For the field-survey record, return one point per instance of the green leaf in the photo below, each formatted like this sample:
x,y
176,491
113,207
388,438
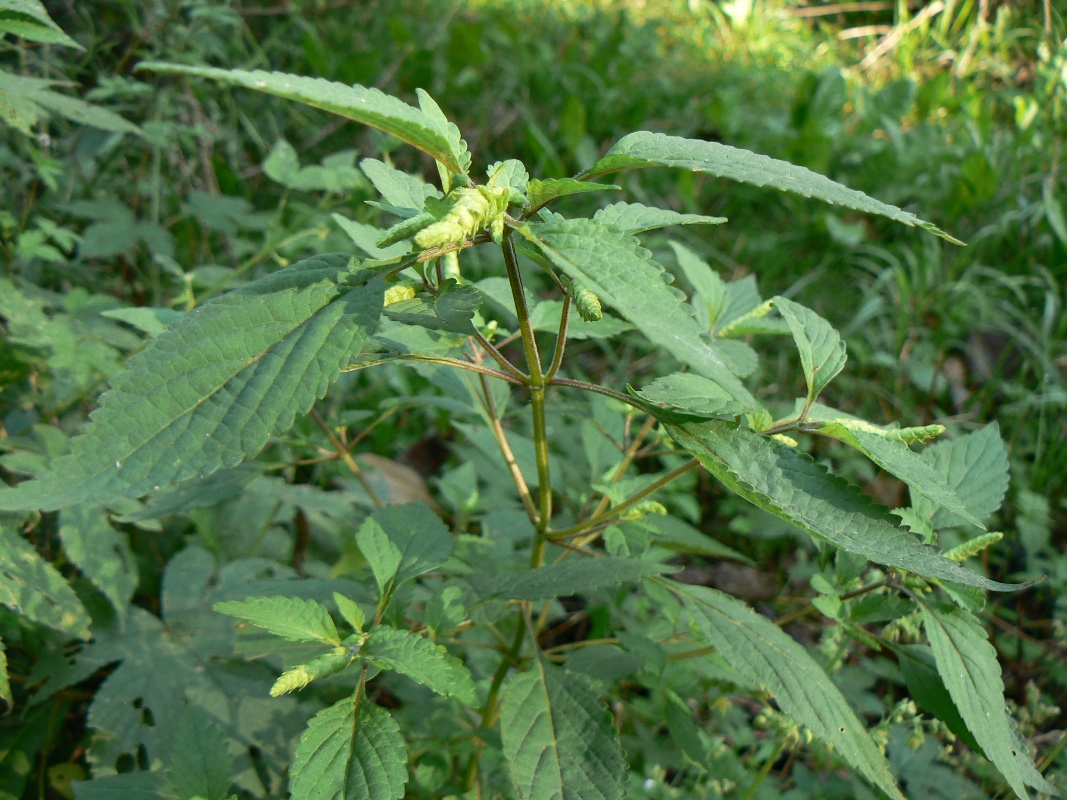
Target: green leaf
x,y
214,388
791,486
337,173
710,296
896,459
368,106
200,762
644,149
350,610
101,553
756,647
450,310
975,466
541,193
32,587
625,277
29,20
511,173
573,576
352,750
369,239
559,739
697,395
928,690
422,661
398,188
26,101
822,353
403,541
968,665
293,618
632,218
128,786
5,680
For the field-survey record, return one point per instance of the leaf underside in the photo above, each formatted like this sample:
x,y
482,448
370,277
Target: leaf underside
x,y
975,467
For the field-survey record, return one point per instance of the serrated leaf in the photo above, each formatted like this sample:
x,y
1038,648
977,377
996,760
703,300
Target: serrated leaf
x,y
351,611
626,278
975,466
422,661
968,665
558,737
541,193
398,188
101,553
455,140
25,101
928,690
128,786
214,388
337,173
896,459
710,294
32,587
822,353
790,485
369,239
633,218
367,106
511,173
29,20
403,541
200,763
352,750
697,395
756,647
573,576
450,310
293,618
645,149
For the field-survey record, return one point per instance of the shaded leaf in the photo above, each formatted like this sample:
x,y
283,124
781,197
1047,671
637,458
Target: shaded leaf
x,y
573,576
293,618
25,101
697,395
5,679
403,541
101,553
369,239
32,587
632,218
421,660
928,690
822,353
200,763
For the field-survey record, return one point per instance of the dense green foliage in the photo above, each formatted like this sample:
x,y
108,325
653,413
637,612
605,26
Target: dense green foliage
x,y
431,455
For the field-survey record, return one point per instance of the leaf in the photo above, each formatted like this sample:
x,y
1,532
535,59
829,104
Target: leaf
x,y
5,680
644,149
968,665
973,547
336,174
756,647
697,395
128,786
631,218
822,353
975,466
710,289
928,690
293,618
214,388
896,459
32,587
352,750
573,576
541,193
25,101
367,106
200,762
369,239
421,660
450,310
625,276
29,20
558,737
101,553
402,542
792,486
511,173
398,188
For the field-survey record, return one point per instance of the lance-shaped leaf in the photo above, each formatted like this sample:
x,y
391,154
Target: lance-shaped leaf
x,y
214,388
200,763
573,576
29,19
32,587
403,541
429,133
756,647
421,660
792,486
968,665
928,690
626,278
352,750
559,739
976,467
293,618
896,459
541,193
644,149
101,553
822,353
634,218
697,395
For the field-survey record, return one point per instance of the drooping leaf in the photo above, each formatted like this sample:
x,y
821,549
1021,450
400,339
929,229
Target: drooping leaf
x,y
450,310
626,278
975,466
352,750
421,660
645,149
200,763
212,390
101,553
367,106
558,736
398,188
403,541
573,576
29,20
822,353
293,618
968,665
541,193
756,647
633,218
896,459
697,395
791,486
32,587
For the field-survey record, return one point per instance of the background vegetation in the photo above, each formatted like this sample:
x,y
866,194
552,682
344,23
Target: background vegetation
x,y
954,110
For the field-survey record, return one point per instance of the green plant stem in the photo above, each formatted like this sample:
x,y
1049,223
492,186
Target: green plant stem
x,y
443,360
801,612
592,387
561,339
350,462
624,465
765,770
506,451
497,356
